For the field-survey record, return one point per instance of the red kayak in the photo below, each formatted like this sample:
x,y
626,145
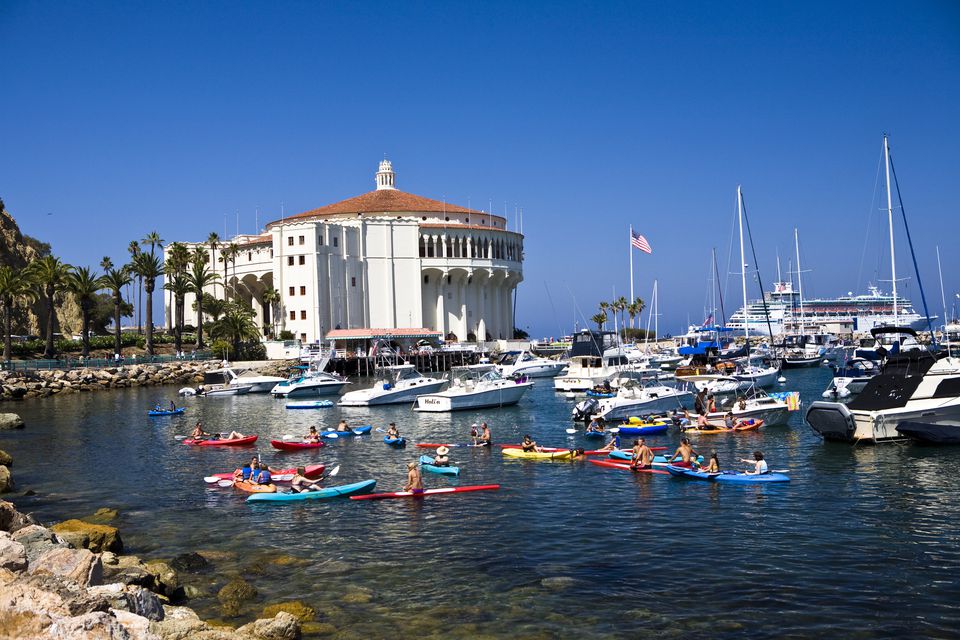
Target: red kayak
x,y
429,445
313,471
625,467
236,442
428,492
589,452
295,446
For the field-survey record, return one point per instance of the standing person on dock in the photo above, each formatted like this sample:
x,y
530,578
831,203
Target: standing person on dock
x,y
642,455
414,479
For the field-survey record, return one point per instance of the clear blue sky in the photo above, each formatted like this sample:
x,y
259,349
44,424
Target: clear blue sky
x,y
122,118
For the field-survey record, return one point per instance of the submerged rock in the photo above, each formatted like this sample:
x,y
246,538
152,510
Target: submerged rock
x,y
189,563
84,535
299,610
6,480
167,580
234,594
6,459
102,516
281,627
557,583
10,421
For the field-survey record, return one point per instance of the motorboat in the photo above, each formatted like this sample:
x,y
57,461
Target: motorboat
x,y
312,381
716,384
759,374
755,404
257,383
851,378
524,363
468,390
633,400
216,390
395,384
586,372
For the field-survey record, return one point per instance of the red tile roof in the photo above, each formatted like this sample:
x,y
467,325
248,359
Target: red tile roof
x,y
385,201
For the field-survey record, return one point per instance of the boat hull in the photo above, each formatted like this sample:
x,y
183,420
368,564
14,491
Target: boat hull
x,y
500,396
373,397
836,422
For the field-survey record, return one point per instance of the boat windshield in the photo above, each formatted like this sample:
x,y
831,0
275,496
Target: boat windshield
x,y
491,376
406,373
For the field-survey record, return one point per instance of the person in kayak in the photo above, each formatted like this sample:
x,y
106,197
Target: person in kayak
x,y
173,406
198,433
300,483
642,455
728,421
702,422
243,473
529,444
262,475
312,436
414,479
343,426
759,464
392,431
235,435
714,465
687,454
613,445
441,459
578,454
596,426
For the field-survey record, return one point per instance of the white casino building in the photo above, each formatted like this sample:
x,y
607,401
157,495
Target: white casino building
x,y
384,259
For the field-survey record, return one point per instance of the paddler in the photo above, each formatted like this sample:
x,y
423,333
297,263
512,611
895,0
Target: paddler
x,y
596,426
312,435
300,483
198,433
414,479
686,453
343,426
262,475
613,445
441,459
243,473
485,437
529,445
714,464
392,431
759,464
173,406
642,455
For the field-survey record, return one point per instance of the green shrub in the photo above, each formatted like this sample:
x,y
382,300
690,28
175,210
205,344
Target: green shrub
x,y
222,348
286,334
253,351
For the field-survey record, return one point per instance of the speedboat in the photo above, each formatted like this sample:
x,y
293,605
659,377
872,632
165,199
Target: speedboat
x,y
758,373
586,372
717,384
216,390
913,386
633,400
756,404
469,391
524,363
257,384
851,378
313,381
397,384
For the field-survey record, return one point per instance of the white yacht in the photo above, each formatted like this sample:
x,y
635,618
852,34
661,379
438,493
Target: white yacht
x,y
586,372
311,382
396,384
524,363
633,400
717,384
246,378
471,391
756,404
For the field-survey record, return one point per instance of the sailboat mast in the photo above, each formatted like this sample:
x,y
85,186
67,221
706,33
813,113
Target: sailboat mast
x,y
893,256
630,249
943,300
796,242
743,272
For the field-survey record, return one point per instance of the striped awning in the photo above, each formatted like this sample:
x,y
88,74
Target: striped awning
x,y
383,334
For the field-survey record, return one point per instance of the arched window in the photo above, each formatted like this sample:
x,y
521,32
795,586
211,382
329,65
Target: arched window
x,y
423,248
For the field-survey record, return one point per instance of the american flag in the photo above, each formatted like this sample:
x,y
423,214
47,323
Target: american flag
x,y
708,321
639,242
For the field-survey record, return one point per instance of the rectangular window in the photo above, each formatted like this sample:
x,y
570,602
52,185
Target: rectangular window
x,y
320,240
249,256
290,260
303,337
335,241
302,241
293,315
353,282
290,241
303,291
303,260
292,290
303,315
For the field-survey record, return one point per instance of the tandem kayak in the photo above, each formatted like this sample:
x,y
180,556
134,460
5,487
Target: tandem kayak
x,y
537,455
626,454
324,494
426,463
428,492
744,425
643,429
166,412
236,442
253,487
609,464
434,445
395,442
295,446
356,431
283,475
310,404
727,476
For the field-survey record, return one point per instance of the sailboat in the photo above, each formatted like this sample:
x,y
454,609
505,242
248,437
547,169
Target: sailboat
x,y
800,350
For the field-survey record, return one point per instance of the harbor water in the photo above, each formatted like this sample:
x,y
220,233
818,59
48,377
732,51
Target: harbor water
x,y
864,542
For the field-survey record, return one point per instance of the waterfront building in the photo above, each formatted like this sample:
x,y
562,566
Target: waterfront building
x,y
382,259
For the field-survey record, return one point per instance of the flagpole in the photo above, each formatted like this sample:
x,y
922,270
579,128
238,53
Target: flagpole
x,y
630,249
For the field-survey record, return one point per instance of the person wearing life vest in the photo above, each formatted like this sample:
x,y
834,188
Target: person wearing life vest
x,y
263,476
243,473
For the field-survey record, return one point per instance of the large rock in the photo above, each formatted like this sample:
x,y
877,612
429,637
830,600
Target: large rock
x,y
10,421
79,565
133,599
91,626
38,540
12,554
137,626
234,594
51,595
6,480
281,627
189,563
85,535
299,610
166,579
6,459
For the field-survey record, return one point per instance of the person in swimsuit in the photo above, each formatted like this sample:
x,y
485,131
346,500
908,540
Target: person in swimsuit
x,y
414,479
578,454
198,433
596,426
529,444
642,455
441,459
300,483
485,437
312,436
728,421
343,426
687,454
759,464
613,445
702,422
392,431
714,465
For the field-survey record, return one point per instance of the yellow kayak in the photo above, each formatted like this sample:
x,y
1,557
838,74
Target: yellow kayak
x,y
536,455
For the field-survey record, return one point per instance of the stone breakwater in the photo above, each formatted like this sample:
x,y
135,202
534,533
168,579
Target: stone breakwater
x,y
18,385
69,582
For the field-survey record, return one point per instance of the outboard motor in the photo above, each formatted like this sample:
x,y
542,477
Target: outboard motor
x,y
585,408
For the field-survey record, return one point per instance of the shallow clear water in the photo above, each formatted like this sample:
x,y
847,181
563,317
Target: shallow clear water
x,y
862,543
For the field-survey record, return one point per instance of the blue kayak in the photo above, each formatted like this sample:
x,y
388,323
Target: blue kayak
x,y
728,476
647,430
356,431
658,460
395,442
594,434
166,412
426,463
310,404
366,486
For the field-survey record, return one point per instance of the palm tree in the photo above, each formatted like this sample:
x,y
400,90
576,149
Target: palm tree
x,y
200,277
600,319
236,326
620,304
179,286
213,241
84,283
228,253
14,288
149,267
116,280
154,240
214,307
604,306
271,298
134,249
636,308
178,259
106,263
234,254
52,276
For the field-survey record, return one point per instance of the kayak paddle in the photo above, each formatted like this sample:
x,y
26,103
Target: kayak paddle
x,y
571,431
225,483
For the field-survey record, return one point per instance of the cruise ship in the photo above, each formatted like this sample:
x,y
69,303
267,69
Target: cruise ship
x,y
844,314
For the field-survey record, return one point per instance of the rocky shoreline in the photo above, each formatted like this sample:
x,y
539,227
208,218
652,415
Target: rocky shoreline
x,y
19,385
